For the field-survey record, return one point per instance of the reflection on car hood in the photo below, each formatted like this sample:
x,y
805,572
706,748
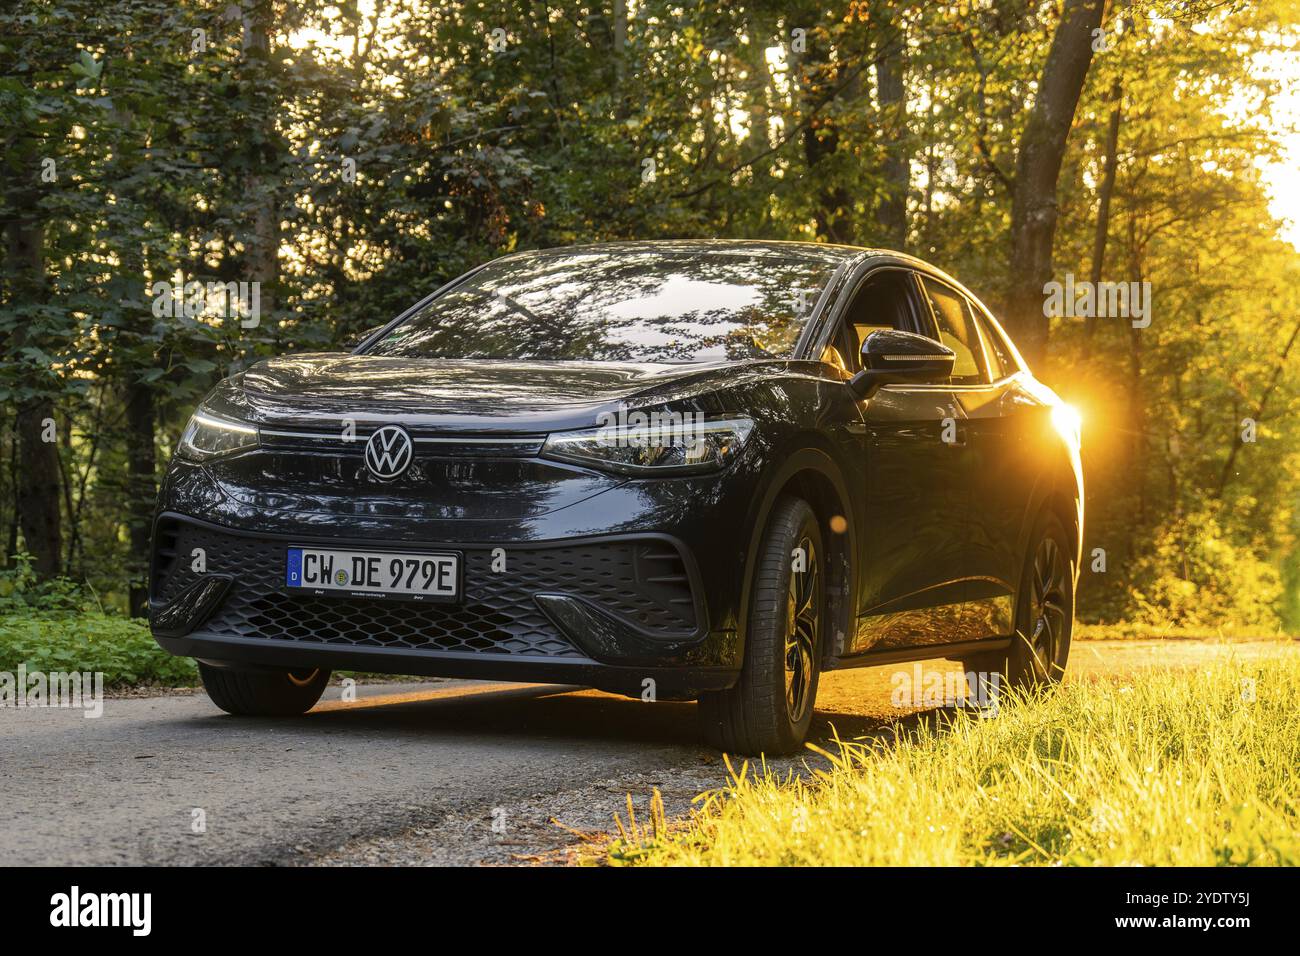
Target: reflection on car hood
x,y
468,395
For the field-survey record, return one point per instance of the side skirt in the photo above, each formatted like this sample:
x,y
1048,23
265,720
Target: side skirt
x,y
919,652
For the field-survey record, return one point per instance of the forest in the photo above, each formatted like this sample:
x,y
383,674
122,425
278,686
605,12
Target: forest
x,y
344,159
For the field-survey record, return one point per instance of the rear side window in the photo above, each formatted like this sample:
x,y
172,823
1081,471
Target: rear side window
x,y
996,347
957,330
1000,364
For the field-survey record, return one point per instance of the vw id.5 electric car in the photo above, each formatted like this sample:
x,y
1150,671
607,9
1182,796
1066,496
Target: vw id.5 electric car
x,y
675,470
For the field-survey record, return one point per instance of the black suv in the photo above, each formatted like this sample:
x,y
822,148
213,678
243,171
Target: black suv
x,y
673,470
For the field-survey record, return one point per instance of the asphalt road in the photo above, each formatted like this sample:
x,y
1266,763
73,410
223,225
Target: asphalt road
x,y
436,772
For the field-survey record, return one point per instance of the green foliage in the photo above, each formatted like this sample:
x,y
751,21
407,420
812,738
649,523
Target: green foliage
x,y
22,594
120,648
58,625
1194,576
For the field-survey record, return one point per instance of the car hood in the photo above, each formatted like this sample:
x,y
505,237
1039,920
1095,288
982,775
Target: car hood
x,y
472,395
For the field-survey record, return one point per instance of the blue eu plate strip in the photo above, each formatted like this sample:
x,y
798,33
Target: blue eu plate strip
x,y
293,573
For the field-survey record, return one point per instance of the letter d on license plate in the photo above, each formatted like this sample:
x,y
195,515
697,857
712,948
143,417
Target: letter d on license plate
x,y
423,576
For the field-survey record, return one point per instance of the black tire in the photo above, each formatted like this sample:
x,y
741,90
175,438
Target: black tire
x,y
258,693
770,708
1040,646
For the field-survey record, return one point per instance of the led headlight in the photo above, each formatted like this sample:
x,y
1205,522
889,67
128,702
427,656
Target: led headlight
x,y
208,435
654,444
1068,423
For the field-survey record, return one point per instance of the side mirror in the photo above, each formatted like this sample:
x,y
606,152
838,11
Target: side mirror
x,y
893,357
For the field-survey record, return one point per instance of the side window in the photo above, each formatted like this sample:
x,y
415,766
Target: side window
x,y
883,301
957,330
999,366
842,351
996,346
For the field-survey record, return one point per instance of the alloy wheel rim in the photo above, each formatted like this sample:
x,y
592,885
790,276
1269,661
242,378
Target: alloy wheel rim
x,y
803,620
1047,609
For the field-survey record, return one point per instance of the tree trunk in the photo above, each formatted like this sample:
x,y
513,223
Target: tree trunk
x,y
1136,411
1103,199
37,491
264,245
141,467
833,212
139,483
891,212
38,487
1257,413
1107,189
1038,165
925,235
620,42
11,532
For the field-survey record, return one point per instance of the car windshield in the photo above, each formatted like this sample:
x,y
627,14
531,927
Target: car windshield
x,y
616,305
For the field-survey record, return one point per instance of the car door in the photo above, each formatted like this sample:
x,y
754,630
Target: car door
x,y
980,385
913,545
1000,427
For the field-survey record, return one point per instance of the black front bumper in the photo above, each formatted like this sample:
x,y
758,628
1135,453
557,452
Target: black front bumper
x,y
609,611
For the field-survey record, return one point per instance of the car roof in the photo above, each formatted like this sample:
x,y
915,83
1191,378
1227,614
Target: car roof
x,y
826,252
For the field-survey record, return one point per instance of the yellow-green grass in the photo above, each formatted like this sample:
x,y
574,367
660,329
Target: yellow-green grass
x,y
1128,631
1189,767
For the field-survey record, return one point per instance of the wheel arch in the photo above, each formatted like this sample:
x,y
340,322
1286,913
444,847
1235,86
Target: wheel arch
x,y
1055,491
812,474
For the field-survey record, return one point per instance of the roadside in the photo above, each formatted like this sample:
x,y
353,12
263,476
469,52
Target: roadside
x,y
1146,756
451,772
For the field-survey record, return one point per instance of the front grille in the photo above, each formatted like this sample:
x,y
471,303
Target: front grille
x,y
643,581
429,444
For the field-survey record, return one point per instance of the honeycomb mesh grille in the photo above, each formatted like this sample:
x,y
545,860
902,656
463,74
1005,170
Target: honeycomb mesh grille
x,y
643,581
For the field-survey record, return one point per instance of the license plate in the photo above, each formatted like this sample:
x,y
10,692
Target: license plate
x,y
426,576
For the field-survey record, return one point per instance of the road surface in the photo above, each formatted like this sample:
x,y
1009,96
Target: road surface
x,y
447,772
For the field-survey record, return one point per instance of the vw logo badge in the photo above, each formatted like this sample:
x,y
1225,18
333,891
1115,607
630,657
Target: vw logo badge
x,y
389,452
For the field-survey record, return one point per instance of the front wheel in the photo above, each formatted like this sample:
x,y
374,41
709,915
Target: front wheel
x,y
263,693
770,708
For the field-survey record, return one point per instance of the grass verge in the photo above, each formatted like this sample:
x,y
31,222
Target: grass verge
x,y
121,648
1182,768
1126,631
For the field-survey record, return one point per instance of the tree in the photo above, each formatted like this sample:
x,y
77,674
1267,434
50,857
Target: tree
x,y
1038,164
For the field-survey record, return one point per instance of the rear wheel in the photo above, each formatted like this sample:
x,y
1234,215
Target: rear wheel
x,y
1044,616
770,708
260,693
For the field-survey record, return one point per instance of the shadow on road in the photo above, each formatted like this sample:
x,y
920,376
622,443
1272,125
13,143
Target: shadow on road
x,y
533,713
550,713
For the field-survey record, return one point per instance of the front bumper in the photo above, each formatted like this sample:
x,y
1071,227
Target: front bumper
x,y
609,611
